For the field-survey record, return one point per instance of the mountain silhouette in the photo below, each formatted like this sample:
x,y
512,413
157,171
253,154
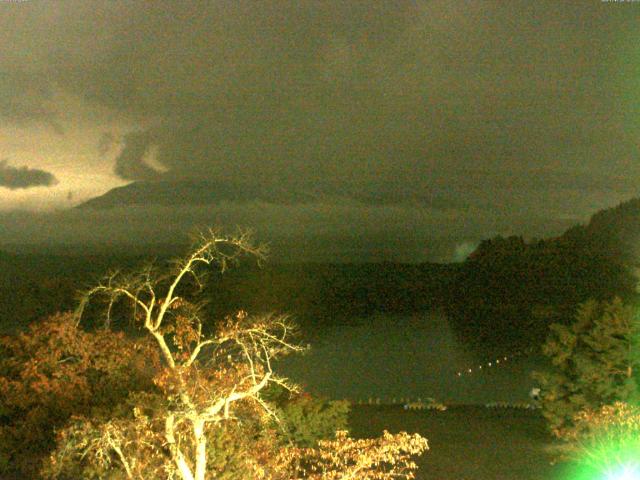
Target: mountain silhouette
x,y
197,192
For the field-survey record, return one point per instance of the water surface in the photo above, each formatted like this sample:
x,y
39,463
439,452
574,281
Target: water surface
x,y
400,356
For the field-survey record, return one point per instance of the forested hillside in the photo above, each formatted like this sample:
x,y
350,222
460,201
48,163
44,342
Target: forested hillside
x,y
509,290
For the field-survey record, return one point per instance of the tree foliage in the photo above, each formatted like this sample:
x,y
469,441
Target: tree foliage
x,y
305,420
386,458
207,413
594,363
509,291
605,438
55,370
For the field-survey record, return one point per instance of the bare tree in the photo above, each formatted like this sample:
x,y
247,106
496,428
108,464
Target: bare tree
x,y
205,377
206,381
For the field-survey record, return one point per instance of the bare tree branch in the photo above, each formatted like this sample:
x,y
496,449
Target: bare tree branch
x,y
176,326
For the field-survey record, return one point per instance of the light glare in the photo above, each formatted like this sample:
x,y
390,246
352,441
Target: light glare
x,y
625,472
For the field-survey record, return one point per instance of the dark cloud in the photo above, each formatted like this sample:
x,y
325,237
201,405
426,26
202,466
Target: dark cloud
x,y
500,108
15,178
380,104
130,163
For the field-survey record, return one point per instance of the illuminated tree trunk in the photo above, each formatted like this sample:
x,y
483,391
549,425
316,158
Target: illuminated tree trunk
x,y
177,327
176,453
201,449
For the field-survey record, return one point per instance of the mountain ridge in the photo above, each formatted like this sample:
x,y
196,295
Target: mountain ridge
x,y
195,192
614,231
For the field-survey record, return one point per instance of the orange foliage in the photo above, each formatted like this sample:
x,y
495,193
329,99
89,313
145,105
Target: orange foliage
x,y
385,458
208,396
54,370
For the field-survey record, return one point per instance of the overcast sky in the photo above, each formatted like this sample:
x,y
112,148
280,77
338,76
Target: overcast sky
x,y
462,119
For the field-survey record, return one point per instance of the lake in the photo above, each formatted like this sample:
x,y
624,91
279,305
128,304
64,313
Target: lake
x,y
407,356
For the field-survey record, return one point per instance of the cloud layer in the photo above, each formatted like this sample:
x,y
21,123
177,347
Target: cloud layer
x,y
510,110
321,231
15,178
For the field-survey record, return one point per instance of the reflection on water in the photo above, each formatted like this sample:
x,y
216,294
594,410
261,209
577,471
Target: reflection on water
x,y
393,356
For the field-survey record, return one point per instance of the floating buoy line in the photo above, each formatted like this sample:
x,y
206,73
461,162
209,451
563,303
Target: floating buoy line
x,y
494,363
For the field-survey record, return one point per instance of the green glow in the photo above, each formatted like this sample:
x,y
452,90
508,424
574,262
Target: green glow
x,y
619,459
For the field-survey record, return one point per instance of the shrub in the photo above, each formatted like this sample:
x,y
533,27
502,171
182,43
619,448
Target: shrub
x,y
305,419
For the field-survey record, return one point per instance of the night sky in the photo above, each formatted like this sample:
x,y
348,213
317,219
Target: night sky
x,y
422,125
